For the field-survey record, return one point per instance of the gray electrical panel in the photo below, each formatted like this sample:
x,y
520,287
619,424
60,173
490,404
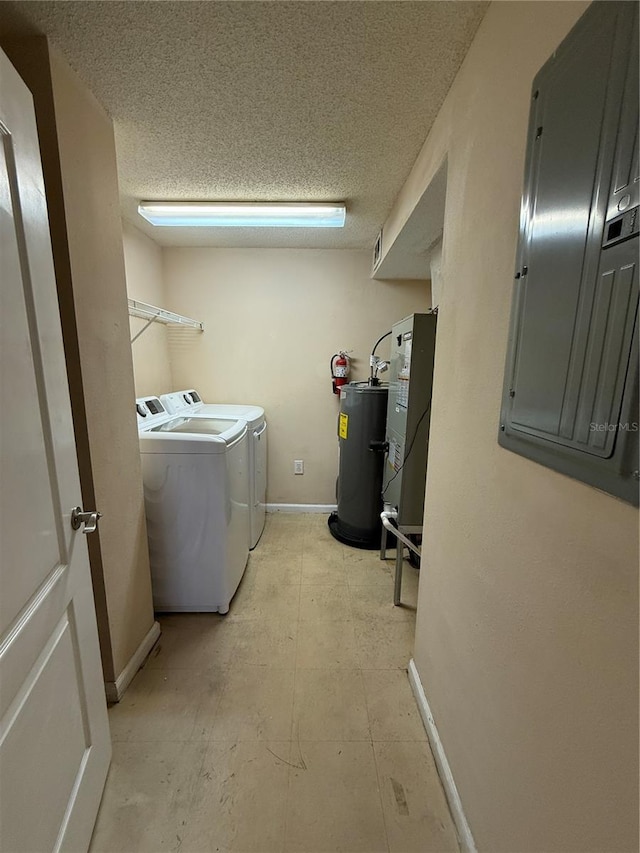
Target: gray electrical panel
x,y
413,343
570,396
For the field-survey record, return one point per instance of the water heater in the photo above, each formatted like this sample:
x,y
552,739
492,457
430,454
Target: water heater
x,y
361,427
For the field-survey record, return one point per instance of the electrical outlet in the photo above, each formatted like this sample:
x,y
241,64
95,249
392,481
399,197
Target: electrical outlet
x,y
298,466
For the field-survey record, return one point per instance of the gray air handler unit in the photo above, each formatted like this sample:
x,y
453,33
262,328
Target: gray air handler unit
x,y
413,342
361,432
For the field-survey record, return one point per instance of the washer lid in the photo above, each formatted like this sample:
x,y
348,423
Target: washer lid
x,y
191,435
189,402
222,430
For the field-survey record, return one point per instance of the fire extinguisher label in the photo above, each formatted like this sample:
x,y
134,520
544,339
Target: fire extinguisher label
x,y
344,425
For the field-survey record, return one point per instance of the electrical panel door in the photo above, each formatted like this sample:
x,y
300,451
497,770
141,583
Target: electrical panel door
x,y
408,415
570,396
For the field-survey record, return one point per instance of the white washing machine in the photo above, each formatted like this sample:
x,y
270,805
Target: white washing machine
x,y
196,489
181,402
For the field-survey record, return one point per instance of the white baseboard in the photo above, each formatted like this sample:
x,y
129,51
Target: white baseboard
x,y
327,508
115,689
444,770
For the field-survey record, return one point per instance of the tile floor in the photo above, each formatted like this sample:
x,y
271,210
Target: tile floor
x,y
287,725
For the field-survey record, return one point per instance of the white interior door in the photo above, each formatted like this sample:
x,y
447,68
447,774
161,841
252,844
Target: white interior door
x,y
54,734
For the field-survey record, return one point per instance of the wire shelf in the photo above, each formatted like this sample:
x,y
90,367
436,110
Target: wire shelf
x,y
153,314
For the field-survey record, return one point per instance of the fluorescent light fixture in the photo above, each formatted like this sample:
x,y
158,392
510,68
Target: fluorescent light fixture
x,y
231,214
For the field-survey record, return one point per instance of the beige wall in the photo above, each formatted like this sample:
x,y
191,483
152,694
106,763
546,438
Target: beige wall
x,y
273,319
143,265
94,234
78,152
527,632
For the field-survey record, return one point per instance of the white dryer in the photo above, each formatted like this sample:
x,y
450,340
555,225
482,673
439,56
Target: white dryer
x,y
196,489
189,401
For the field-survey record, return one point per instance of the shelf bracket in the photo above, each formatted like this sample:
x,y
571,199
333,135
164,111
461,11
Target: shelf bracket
x,y
143,329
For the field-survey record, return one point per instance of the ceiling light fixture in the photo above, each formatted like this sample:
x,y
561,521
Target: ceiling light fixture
x,y
232,214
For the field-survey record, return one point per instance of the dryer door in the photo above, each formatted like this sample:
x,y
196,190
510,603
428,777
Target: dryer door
x,y
259,496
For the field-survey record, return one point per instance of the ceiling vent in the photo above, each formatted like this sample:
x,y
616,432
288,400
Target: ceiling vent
x,y
377,251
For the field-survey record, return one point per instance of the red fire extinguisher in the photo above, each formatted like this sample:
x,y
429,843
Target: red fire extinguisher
x,y
339,370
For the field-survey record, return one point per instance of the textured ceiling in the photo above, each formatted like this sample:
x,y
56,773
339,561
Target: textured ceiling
x,y
273,100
